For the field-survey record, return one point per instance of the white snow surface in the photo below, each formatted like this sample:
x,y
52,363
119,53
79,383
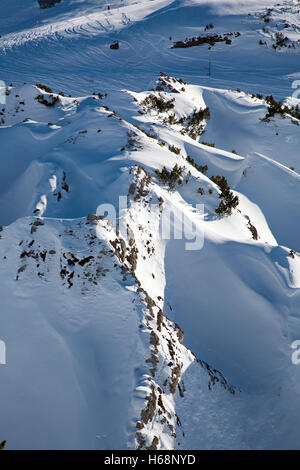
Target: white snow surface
x,y
92,313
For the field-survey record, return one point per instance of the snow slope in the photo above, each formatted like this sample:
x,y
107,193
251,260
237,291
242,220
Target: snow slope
x,y
122,331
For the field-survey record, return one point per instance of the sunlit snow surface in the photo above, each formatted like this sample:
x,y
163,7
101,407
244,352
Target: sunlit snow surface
x,y
77,332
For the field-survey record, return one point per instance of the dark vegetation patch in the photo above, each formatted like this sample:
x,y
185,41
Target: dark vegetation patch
x,y
216,376
100,96
148,412
208,144
157,103
133,142
44,88
252,229
115,45
165,82
277,107
210,39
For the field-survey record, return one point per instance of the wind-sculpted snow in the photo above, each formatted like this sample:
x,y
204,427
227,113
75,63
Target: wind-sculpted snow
x,y
149,248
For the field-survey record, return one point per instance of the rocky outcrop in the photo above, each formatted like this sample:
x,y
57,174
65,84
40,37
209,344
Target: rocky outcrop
x,y
48,3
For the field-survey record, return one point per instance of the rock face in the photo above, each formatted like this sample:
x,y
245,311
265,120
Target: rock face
x,y
48,3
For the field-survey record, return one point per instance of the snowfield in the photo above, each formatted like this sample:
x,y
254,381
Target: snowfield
x,y
134,315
